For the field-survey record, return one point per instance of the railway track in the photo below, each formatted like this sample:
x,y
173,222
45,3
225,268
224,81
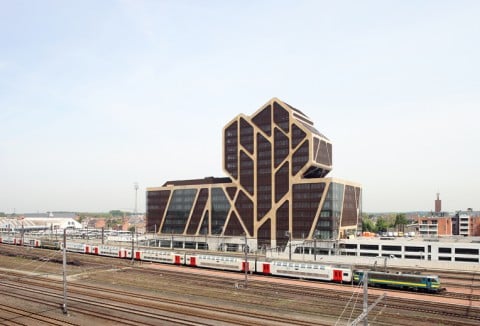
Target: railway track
x,y
144,305
13,315
314,302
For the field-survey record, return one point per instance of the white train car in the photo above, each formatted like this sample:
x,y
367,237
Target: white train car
x,y
219,262
32,243
10,240
305,270
78,247
111,251
166,257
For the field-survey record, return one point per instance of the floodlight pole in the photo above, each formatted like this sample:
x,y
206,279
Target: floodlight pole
x,y
64,306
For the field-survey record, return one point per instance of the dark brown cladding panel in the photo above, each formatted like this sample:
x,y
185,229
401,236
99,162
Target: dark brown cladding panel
x,y
358,194
329,148
205,223
281,117
323,155
263,120
156,207
349,216
305,202
282,224
264,236
281,146
230,150
231,191
298,135
246,172
282,185
198,211
246,135
264,176
233,228
300,158
244,207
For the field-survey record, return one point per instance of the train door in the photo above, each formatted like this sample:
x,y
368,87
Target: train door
x,y
179,262
337,275
95,250
193,261
137,255
87,249
429,283
245,266
266,269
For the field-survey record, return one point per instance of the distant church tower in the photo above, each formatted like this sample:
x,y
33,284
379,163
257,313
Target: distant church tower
x,y
438,204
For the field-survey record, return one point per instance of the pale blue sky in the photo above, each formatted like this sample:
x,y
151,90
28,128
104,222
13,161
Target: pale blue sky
x,y
91,92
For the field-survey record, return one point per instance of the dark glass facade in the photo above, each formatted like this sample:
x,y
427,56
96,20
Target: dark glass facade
x,y
277,163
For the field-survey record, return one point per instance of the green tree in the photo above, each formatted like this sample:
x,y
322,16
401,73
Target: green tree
x,y
382,224
400,221
368,225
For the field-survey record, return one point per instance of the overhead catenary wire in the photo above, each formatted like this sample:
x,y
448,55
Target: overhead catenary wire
x,y
356,288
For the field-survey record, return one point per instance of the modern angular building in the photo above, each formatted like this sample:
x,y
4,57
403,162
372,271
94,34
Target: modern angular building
x,y
276,162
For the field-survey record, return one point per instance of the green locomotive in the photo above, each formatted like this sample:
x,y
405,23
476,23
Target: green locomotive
x,y
416,282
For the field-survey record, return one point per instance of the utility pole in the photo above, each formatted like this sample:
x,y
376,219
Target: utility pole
x,y
133,247
246,261
366,309
64,306
287,233
23,235
365,298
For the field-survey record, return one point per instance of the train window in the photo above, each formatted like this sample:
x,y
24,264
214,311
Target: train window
x,y
315,267
466,251
302,266
284,264
345,274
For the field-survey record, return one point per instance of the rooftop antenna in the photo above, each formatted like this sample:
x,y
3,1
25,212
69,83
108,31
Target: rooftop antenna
x,y
135,186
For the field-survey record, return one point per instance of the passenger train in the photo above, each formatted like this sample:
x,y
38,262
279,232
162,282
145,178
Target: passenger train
x,y
293,269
